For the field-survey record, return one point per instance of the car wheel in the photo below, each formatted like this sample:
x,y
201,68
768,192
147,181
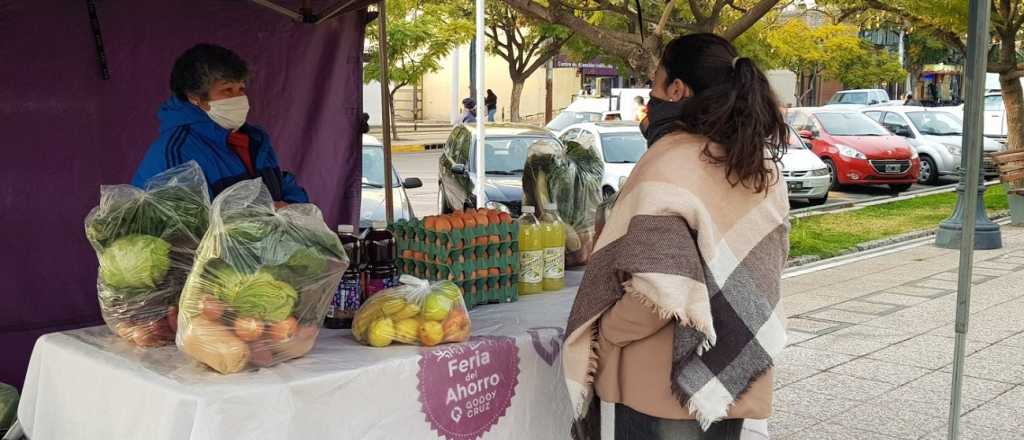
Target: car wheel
x,y
929,172
607,192
833,172
442,204
901,187
818,202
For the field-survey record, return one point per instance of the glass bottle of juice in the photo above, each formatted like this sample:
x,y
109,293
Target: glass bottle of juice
x,y
552,233
531,254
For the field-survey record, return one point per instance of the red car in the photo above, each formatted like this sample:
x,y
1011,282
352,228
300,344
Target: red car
x,y
857,150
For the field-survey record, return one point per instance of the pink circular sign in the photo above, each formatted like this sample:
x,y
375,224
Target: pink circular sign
x,y
465,388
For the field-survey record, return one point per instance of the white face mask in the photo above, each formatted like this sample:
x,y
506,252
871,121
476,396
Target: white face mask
x,y
229,113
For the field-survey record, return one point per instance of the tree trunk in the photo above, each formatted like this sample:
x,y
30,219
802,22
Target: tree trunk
x,y
517,94
1013,102
391,112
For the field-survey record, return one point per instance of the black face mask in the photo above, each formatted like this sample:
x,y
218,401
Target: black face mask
x,y
662,116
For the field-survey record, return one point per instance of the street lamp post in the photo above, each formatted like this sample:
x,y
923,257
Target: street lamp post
x,y
987,233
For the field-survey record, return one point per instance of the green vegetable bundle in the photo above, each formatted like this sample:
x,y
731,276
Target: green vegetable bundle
x,y
571,177
145,240
262,281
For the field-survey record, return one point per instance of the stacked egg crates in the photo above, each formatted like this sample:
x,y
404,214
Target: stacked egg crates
x,y
478,250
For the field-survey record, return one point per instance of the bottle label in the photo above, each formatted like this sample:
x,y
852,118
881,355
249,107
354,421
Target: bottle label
x,y
554,263
375,284
531,266
351,297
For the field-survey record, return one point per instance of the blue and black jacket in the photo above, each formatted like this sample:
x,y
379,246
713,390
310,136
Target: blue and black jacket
x,y
187,133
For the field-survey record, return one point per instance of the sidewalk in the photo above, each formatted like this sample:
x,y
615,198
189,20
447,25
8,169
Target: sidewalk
x,y
871,348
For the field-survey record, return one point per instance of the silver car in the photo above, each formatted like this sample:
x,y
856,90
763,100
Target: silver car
x,y
371,207
937,135
806,176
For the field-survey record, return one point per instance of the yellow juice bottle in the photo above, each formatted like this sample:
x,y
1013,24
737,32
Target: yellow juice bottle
x,y
531,254
552,233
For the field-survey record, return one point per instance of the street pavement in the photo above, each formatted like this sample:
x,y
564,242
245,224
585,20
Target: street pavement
x,y
871,341
871,348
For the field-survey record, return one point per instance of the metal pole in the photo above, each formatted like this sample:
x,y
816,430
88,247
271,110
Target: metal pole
x,y
903,63
385,117
455,87
481,197
977,47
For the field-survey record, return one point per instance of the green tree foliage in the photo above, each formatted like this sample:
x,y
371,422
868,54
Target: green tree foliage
x,y
636,36
524,43
420,34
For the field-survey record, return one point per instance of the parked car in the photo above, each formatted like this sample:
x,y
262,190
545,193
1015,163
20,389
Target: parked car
x,y
504,156
372,200
859,98
937,135
619,144
585,110
807,177
857,150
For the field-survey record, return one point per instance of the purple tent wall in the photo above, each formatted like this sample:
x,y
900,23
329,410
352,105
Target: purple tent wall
x,y
64,130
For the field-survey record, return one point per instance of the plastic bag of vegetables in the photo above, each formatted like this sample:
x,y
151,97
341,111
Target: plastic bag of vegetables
x,y
261,283
416,313
571,177
145,240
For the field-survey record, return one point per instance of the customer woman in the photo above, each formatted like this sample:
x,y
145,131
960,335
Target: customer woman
x,y
677,323
491,101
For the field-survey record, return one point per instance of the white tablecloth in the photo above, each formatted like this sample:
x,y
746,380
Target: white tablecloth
x,y
505,383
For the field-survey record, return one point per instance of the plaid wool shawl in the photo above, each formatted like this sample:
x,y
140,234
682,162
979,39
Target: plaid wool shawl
x,y
697,249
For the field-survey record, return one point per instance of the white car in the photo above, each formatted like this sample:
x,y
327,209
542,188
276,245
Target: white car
x,y
584,110
937,135
619,144
857,99
806,176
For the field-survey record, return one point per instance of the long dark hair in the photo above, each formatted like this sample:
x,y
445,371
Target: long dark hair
x,y
732,105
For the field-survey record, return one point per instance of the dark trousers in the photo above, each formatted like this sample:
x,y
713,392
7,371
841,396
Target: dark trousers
x,y
633,425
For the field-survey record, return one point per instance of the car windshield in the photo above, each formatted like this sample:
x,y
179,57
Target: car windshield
x,y
849,98
936,123
850,124
373,168
506,156
623,147
795,142
994,102
567,118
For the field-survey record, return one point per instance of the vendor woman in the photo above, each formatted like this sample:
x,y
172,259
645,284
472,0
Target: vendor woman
x,y
204,121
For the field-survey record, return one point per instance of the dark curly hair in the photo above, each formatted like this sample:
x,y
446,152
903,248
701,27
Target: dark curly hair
x,y
732,105
196,70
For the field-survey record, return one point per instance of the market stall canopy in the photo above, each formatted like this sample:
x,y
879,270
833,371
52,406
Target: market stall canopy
x,y
73,120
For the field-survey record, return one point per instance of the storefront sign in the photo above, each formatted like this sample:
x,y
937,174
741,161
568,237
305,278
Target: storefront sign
x,y
466,388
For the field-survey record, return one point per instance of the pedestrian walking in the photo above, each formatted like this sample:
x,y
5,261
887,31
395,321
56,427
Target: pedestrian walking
x,y
491,102
675,328
469,111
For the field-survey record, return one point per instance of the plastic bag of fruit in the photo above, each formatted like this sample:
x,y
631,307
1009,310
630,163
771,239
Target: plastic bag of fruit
x,y
416,313
145,240
261,284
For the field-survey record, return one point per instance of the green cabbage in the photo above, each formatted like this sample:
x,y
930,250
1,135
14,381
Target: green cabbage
x,y
261,296
135,261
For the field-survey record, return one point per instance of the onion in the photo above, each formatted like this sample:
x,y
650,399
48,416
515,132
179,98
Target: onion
x,y
283,330
248,329
212,308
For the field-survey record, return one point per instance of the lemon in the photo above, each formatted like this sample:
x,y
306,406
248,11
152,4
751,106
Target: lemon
x,y
381,332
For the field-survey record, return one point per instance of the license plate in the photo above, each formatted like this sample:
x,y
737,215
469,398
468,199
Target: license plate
x,y
892,168
795,185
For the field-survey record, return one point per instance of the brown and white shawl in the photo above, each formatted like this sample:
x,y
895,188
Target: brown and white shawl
x,y
699,250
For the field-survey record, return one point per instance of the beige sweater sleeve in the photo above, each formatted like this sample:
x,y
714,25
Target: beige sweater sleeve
x,y
630,320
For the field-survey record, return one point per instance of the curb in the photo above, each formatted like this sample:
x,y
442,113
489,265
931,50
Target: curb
x,y
833,208
805,260
415,148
